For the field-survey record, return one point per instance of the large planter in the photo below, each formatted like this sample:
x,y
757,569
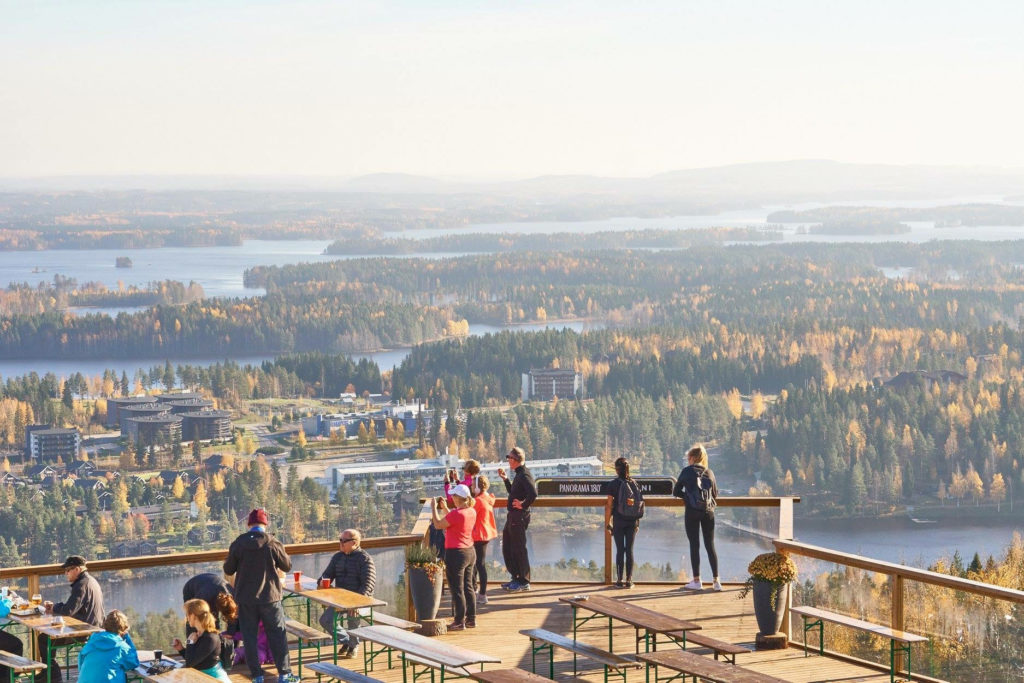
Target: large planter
x,y
426,591
770,600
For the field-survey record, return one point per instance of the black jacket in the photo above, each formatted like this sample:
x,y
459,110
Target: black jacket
x,y
203,653
254,558
688,480
85,602
354,572
206,587
521,487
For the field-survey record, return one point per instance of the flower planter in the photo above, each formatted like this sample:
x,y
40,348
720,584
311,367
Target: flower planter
x,y
770,600
426,591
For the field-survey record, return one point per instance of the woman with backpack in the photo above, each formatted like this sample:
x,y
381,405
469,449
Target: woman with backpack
x,y
696,485
626,506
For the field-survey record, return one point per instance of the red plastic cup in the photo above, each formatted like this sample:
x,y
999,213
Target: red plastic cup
x,y
325,583
298,576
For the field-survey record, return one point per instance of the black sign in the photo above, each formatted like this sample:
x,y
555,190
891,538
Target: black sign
x,y
598,486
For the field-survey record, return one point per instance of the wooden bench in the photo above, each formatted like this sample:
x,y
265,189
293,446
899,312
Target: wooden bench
x,y
370,654
690,664
306,634
508,676
339,673
549,641
420,650
815,618
389,620
20,666
720,647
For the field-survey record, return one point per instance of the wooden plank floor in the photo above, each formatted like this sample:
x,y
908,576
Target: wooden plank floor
x,y
722,616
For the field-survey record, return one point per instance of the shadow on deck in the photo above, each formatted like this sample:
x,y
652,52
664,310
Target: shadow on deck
x,y
722,616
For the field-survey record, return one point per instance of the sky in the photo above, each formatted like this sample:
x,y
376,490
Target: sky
x,y
501,90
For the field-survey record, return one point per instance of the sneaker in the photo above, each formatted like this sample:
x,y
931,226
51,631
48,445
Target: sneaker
x,y
717,585
629,583
257,679
288,678
521,587
470,623
457,626
508,586
694,585
481,599
351,652
619,584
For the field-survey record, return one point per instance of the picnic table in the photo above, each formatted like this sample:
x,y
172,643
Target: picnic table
x,y
687,664
69,636
343,601
417,649
640,618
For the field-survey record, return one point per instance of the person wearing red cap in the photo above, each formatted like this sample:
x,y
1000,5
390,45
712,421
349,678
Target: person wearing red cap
x,y
254,559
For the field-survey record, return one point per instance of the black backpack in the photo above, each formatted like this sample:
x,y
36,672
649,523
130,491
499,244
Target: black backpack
x,y
630,490
703,497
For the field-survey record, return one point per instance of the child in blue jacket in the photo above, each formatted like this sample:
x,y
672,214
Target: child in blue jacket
x,y
107,655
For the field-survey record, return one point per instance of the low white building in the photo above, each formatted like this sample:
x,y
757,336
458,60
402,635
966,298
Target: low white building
x,y
431,472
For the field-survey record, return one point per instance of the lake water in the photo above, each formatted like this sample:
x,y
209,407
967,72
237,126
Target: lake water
x,y
386,360
896,540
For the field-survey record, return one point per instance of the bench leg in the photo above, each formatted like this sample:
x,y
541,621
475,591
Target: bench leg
x,y
905,649
819,624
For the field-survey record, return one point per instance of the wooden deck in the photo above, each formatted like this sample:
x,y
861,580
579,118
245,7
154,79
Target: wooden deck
x,y
721,615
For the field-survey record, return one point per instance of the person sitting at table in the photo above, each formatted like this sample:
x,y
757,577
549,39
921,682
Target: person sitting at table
x,y
201,650
459,555
353,570
85,604
9,643
108,655
219,595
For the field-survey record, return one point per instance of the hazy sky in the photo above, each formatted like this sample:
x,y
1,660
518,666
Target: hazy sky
x,y
489,89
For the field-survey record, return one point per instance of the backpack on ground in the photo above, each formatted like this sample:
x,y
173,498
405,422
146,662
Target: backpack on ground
x,y
703,496
629,491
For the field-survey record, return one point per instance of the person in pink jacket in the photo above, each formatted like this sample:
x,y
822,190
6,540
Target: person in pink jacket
x,y
484,531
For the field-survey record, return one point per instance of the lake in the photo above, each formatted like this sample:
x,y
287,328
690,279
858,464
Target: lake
x,y
386,359
895,540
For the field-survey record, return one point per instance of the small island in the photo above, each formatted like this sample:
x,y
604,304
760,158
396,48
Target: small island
x,y
123,262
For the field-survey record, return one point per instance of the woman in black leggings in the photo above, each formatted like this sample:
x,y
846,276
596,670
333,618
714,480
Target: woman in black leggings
x,y
623,528
696,485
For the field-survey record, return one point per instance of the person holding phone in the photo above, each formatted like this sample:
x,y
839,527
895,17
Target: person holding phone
x,y
459,556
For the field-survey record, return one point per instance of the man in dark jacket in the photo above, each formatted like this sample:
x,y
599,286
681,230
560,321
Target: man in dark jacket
x,y
85,604
522,491
254,559
353,570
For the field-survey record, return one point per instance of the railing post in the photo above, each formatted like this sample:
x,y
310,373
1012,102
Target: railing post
x,y
410,608
786,519
607,545
33,585
896,618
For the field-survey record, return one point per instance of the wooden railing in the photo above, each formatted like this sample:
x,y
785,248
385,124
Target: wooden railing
x,y
898,574
419,534
34,572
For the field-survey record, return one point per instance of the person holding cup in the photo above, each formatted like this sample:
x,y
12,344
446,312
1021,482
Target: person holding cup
x,y
85,604
351,568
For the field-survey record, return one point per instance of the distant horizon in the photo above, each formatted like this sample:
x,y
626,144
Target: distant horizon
x,y
483,181
502,90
